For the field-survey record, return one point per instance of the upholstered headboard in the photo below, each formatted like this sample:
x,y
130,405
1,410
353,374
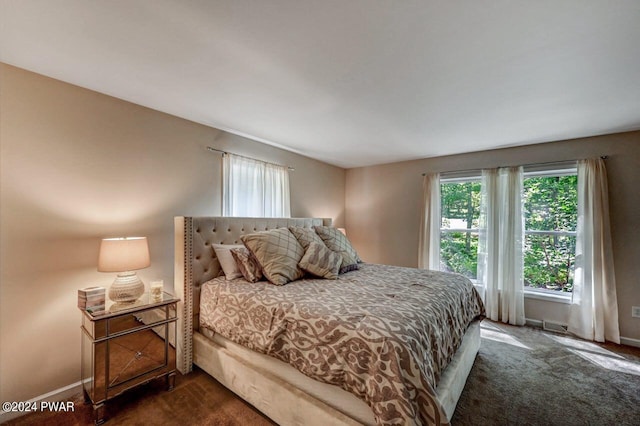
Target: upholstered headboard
x,y
196,263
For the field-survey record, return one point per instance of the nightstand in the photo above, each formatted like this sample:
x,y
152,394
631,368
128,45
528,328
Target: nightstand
x,y
129,345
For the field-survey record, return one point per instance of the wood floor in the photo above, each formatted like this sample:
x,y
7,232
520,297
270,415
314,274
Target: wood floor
x,y
196,399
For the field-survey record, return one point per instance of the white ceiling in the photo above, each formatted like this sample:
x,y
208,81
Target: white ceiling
x,y
355,82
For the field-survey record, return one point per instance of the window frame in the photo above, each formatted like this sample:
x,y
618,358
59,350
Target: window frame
x,y
559,170
540,293
475,176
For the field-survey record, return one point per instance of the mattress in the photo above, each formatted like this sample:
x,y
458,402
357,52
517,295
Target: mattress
x,y
383,333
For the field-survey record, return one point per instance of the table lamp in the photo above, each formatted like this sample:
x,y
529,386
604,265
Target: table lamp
x,y
124,256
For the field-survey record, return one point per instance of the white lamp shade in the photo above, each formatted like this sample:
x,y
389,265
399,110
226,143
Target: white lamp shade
x,y
123,254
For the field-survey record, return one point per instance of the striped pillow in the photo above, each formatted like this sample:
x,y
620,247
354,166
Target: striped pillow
x,y
319,260
247,264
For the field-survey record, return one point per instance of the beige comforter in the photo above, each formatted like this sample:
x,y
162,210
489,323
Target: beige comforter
x,y
383,333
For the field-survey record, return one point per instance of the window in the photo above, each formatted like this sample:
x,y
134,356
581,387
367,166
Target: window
x,y
551,216
253,188
550,209
460,210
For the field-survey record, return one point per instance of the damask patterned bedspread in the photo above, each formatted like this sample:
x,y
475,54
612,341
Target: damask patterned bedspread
x,y
383,333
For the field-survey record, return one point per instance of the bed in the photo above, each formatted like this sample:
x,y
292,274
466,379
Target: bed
x,y
282,392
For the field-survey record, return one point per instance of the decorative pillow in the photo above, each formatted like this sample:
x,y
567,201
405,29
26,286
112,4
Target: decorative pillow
x,y
321,261
247,264
338,242
278,252
227,262
305,236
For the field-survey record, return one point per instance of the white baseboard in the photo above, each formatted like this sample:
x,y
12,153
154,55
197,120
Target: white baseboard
x,y
533,323
623,340
630,342
55,395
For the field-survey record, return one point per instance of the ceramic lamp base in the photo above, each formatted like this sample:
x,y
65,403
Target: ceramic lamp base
x,y
127,288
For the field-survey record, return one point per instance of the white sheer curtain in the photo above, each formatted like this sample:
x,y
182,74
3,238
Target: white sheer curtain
x,y
429,244
253,188
594,309
500,247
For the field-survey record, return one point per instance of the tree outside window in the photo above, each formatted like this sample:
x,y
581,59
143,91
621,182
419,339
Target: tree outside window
x,y
460,209
550,210
551,216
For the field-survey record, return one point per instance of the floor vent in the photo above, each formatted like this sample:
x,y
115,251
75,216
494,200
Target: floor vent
x,y
556,327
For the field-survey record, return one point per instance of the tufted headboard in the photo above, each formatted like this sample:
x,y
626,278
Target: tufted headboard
x,y
196,262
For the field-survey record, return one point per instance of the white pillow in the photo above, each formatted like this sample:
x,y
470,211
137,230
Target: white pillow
x,y
227,262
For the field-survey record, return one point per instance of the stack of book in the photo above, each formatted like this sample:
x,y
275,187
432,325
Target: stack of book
x,y
92,299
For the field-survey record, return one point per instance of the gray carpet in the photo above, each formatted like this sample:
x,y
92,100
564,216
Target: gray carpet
x,y
525,376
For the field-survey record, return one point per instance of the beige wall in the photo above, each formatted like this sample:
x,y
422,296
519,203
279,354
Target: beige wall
x,y
383,209
77,166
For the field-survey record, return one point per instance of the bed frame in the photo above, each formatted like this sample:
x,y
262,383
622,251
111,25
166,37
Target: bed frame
x,y
275,388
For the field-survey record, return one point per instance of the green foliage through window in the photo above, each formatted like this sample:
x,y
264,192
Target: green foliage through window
x,y
551,205
460,206
550,208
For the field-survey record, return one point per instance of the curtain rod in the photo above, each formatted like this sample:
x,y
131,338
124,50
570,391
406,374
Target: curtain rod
x,y
604,157
209,148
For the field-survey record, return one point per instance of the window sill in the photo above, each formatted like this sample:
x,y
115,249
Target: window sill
x,y
558,297
542,294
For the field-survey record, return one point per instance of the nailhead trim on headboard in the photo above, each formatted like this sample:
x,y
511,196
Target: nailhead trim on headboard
x,y
187,324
